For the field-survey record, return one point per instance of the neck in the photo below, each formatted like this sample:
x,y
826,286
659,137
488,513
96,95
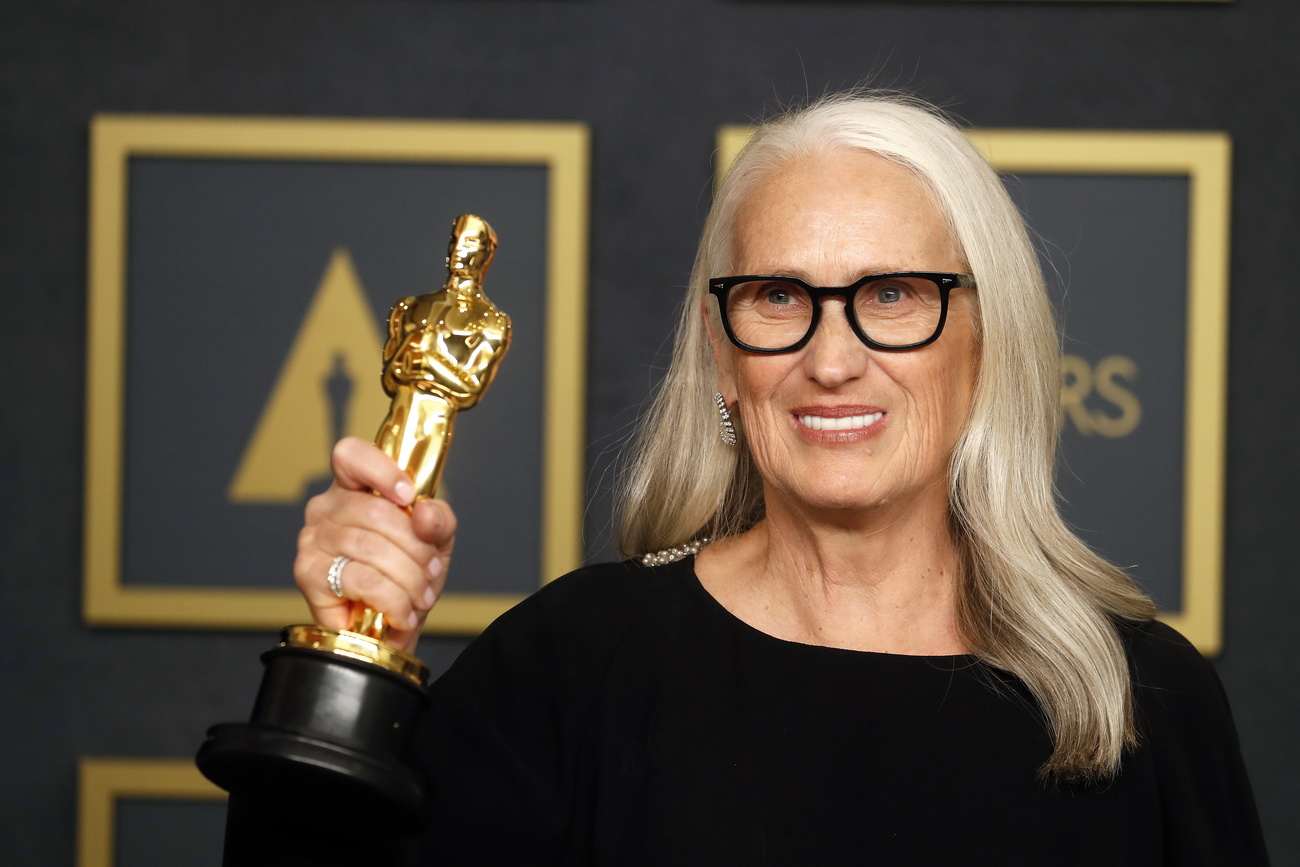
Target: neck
x,y
462,284
885,580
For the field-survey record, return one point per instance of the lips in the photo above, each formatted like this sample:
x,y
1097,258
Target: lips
x,y
837,422
844,422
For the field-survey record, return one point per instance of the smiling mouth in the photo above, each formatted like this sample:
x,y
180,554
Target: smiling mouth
x,y
848,422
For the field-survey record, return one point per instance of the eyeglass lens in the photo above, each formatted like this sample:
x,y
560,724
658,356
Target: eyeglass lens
x,y
892,311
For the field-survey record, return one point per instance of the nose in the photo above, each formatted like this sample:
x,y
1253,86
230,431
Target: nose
x,y
835,355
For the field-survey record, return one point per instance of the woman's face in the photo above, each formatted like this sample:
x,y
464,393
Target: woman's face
x,y
830,220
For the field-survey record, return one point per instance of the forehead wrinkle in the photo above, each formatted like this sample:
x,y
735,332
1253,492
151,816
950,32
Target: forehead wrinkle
x,y
834,251
831,222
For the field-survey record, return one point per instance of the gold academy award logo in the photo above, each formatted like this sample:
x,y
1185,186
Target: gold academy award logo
x,y
328,387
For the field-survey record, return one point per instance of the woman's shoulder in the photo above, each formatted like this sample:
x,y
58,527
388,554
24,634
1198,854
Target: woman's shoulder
x,y
1186,727
1182,713
602,594
1169,673
580,617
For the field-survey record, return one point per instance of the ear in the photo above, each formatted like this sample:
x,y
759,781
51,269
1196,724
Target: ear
x,y
722,355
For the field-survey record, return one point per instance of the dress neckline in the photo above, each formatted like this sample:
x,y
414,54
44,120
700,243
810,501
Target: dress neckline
x,y
687,564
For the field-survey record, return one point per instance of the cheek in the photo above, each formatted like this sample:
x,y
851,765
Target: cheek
x,y
756,378
763,434
755,405
939,401
945,382
757,382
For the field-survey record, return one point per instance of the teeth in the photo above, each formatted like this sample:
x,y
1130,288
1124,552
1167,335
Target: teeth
x,y
848,422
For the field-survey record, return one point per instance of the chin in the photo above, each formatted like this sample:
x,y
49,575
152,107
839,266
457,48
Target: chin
x,y
839,498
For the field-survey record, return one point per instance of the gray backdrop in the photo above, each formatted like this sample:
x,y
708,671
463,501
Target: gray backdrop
x,y
653,79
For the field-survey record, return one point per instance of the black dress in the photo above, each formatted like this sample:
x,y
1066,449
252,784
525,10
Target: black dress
x,y
622,716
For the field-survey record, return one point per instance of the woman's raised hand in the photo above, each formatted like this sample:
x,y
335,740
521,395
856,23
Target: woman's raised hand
x,y
398,553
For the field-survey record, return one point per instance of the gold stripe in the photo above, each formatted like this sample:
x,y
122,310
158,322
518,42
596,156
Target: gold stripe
x,y
566,356
258,608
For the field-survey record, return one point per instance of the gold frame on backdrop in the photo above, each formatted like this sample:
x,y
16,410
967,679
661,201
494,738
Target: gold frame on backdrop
x,y
562,148
102,782
1205,159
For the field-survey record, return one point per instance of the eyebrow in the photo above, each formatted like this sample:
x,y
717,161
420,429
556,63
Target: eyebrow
x,y
804,276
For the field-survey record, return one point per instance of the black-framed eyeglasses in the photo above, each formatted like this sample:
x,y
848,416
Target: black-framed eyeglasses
x,y
893,312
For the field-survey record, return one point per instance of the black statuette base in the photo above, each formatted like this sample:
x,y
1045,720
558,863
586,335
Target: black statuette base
x,y
330,727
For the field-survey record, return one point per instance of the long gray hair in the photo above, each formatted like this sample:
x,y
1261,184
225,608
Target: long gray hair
x,y
1034,600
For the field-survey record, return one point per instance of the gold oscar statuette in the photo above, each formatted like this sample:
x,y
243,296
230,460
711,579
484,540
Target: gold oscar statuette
x,y
336,707
442,353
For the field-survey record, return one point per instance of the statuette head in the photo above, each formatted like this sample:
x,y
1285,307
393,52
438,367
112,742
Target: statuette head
x,y
472,245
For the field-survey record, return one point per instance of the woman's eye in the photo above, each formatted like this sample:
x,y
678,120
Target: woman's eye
x,y
889,295
780,294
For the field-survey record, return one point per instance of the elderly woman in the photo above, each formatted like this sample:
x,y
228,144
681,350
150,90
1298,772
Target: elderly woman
x,y
854,627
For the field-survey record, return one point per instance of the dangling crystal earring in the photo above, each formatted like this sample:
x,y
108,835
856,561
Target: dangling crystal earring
x,y
725,427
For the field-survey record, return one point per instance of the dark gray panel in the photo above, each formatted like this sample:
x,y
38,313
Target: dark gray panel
x,y
1114,249
225,257
157,833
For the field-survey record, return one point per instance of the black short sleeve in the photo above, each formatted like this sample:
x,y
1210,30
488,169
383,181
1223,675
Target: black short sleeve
x,y
1206,803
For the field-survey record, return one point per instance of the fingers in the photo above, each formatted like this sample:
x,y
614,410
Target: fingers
x,y
399,558
361,466
363,522
389,563
383,588
434,522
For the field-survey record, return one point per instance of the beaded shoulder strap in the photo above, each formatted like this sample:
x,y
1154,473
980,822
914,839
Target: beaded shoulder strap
x,y
672,555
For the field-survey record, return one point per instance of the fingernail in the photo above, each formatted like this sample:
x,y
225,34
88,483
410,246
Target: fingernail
x,y
405,491
429,598
435,567
413,621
